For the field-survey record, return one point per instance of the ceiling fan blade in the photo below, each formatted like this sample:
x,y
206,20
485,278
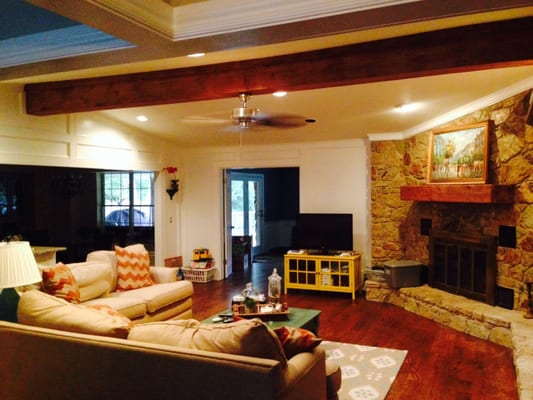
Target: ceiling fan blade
x,y
206,120
245,117
281,120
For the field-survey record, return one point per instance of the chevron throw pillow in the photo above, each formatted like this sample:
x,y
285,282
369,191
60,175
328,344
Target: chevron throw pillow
x,y
133,267
60,282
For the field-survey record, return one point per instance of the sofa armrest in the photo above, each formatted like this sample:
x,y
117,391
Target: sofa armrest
x,y
305,377
164,274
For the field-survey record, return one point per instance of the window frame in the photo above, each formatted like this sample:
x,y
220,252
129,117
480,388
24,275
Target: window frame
x,y
124,197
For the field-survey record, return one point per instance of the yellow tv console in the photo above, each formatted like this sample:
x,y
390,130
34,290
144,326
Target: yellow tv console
x,y
336,273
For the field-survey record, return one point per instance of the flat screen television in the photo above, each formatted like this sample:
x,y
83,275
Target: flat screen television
x,y
323,233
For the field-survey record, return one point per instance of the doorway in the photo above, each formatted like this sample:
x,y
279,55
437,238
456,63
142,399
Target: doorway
x,y
261,203
247,205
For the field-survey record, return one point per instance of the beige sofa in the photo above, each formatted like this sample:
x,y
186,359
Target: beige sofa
x,y
166,299
67,350
41,364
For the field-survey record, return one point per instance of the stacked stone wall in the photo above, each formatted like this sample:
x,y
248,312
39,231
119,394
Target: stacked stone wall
x,y
396,224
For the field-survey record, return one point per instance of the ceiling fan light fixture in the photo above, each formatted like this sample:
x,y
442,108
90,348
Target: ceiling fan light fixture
x,y
406,107
244,116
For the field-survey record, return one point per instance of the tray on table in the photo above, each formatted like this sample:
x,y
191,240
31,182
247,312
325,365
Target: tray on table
x,y
265,311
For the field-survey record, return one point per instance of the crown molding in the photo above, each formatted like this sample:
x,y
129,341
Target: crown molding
x,y
154,16
469,108
252,15
57,43
380,137
202,18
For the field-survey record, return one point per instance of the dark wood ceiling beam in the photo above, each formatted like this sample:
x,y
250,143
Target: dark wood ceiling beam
x,y
475,47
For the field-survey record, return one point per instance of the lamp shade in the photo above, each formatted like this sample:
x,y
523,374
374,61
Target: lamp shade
x,y
17,265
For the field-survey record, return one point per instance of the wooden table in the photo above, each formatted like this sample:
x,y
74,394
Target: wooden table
x,y
297,318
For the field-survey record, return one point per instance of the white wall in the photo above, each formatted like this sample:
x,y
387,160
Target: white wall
x,y
333,175
333,178
89,140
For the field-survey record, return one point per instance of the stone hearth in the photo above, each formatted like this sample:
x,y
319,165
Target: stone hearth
x,y
505,327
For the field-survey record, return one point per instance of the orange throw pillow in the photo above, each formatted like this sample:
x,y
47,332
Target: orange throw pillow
x,y
133,267
60,282
296,340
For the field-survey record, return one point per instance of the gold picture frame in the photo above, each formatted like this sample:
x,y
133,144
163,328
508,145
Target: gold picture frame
x,y
460,154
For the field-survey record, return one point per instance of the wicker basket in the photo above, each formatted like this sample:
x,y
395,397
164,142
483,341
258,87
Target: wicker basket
x,y
198,274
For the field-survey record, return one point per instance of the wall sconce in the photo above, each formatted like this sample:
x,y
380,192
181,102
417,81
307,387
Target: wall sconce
x,y
174,186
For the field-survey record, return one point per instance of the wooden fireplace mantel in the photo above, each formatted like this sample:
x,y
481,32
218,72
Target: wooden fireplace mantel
x,y
459,193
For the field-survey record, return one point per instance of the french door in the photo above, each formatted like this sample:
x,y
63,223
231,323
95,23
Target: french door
x,y
244,208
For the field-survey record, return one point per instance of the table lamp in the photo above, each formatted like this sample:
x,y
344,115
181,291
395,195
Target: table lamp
x,y
17,268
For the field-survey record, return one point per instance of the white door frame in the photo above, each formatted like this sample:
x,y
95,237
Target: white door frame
x,y
228,175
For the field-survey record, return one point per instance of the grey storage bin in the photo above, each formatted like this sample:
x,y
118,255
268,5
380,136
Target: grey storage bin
x,y
402,273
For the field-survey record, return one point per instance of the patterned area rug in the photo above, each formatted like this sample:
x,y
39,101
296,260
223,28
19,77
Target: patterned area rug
x,y
367,372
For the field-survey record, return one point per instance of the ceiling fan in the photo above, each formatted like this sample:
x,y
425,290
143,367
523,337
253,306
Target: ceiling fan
x,y
248,117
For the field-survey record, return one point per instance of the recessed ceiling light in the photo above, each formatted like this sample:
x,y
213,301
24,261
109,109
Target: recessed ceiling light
x,y
195,55
141,118
406,108
280,93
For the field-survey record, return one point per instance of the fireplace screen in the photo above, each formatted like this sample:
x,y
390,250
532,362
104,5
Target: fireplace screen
x,y
464,265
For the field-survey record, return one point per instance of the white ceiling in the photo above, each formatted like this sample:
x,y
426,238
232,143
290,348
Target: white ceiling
x,y
341,113
231,30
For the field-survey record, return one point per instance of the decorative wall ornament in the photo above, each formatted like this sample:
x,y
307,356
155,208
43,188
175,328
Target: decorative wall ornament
x,y
174,181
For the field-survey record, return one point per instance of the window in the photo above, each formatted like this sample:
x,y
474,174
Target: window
x,y
9,188
128,199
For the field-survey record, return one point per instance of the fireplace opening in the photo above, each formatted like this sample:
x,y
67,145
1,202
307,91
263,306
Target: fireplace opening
x,y
463,264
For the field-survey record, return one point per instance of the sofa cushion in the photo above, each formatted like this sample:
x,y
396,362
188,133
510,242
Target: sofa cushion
x,y
41,309
108,310
106,256
94,278
59,281
296,340
131,307
133,267
88,272
159,296
94,290
244,337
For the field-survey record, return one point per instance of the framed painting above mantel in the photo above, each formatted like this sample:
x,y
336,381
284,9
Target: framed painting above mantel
x,y
460,154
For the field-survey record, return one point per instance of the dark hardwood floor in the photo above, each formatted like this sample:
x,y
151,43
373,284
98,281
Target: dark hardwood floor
x,y
441,363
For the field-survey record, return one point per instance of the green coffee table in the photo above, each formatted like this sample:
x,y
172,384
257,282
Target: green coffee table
x,y
298,318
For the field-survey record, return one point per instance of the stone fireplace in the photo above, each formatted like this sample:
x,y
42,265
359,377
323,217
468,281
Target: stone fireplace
x,y
399,230
463,264
400,224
